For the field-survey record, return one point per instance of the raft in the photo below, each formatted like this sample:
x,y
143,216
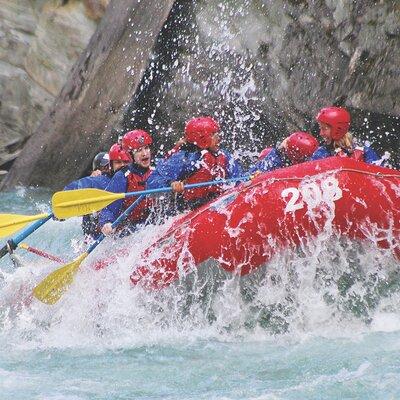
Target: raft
x,y
254,221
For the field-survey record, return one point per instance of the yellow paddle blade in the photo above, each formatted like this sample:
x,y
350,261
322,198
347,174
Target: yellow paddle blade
x,y
74,203
51,288
10,223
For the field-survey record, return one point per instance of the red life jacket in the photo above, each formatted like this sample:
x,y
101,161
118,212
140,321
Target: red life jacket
x,y
357,153
137,182
210,167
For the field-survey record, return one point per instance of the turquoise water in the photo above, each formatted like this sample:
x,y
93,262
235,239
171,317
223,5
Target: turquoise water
x,y
328,328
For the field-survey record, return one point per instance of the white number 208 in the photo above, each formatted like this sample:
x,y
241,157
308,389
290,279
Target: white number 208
x,y
312,194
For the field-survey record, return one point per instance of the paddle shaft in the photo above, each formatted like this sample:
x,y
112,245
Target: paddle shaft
x,y
40,253
13,243
143,193
190,186
74,203
120,219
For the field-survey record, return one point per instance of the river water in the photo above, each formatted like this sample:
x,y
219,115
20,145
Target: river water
x,y
323,324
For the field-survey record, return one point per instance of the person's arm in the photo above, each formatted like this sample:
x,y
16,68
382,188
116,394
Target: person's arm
x,y
320,153
370,156
83,183
168,171
176,148
110,213
272,161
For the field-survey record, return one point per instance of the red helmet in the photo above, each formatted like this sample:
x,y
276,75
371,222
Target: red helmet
x,y
117,153
136,139
265,152
299,146
199,131
336,117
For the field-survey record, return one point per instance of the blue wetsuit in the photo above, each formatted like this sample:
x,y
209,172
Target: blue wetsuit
x,y
119,184
90,224
183,164
369,155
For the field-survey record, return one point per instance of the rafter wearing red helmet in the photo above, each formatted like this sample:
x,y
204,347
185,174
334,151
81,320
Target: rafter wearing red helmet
x,y
200,159
334,124
295,149
136,144
119,157
104,166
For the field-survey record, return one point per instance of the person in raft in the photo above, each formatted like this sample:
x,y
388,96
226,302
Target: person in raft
x,y
104,166
199,159
334,124
131,178
295,149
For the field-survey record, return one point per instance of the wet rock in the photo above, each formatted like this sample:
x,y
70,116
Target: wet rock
x,y
39,43
262,67
94,97
265,68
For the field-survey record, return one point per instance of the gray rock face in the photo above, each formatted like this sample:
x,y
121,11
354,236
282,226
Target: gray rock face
x,y
39,43
94,97
262,67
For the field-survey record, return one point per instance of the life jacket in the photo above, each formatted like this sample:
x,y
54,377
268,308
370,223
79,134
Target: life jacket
x,y
356,154
137,182
209,167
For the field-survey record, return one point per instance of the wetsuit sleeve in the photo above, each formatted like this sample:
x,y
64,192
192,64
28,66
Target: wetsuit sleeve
x,y
272,161
172,169
234,169
83,183
370,156
320,153
110,213
173,151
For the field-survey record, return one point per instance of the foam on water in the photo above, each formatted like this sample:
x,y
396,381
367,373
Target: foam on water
x,y
330,287
319,319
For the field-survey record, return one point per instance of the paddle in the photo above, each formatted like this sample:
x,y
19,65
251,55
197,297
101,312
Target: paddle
x,y
40,253
12,223
51,288
74,203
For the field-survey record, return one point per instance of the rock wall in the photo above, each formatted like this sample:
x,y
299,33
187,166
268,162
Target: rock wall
x,y
39,42
94,96
265,67
262,67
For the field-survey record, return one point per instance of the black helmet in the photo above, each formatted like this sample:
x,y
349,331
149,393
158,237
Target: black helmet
x,y
100,161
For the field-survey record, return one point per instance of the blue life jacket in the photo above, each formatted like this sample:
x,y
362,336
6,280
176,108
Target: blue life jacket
x,y
368,154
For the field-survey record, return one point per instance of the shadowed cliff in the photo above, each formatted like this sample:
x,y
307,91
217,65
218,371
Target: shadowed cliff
x,y
263,68
98,88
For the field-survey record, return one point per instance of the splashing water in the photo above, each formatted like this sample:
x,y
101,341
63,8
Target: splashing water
x,y
322,322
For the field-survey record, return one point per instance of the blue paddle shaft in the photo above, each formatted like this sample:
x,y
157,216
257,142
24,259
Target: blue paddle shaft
x,y
13,243
191,186
142,194
120,219
30,229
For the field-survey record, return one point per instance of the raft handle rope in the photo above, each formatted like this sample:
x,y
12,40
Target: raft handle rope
x,y
273,180
375,174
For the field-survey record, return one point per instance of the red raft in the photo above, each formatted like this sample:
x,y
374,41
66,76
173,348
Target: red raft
x,y
252,222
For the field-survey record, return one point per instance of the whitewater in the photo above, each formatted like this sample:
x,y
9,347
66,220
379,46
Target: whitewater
x,y
323,323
